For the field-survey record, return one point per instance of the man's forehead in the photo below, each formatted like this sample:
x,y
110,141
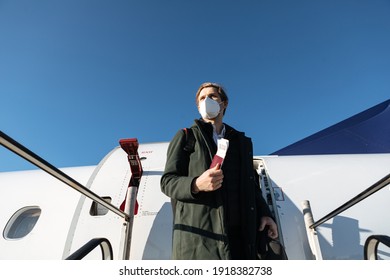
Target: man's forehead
x,y
209,89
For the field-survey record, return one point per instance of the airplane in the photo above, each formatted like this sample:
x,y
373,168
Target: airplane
x,y
327,193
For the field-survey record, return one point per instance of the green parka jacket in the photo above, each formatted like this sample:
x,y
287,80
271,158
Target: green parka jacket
x,y
199,226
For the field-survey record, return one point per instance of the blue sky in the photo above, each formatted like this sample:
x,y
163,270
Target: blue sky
x,y
78,75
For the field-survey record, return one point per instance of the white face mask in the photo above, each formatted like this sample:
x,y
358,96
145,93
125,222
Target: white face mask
x,y
209,108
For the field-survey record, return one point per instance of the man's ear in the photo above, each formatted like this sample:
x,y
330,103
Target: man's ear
x,y
226,103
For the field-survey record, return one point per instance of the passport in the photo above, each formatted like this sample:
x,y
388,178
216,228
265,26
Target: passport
x,y
223,145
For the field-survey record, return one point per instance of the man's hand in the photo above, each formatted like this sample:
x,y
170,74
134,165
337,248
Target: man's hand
x,y
272,227
209,181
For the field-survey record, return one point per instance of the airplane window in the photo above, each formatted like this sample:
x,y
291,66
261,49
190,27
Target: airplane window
x,y
22,222
99,210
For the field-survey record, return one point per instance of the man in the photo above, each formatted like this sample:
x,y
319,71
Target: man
x,y
219,211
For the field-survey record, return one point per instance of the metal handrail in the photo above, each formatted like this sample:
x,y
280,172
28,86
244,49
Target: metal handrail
x,y
105,246
371,246
366,193
28,155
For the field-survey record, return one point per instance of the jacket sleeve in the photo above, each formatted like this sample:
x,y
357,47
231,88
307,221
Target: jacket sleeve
x,y
175,182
